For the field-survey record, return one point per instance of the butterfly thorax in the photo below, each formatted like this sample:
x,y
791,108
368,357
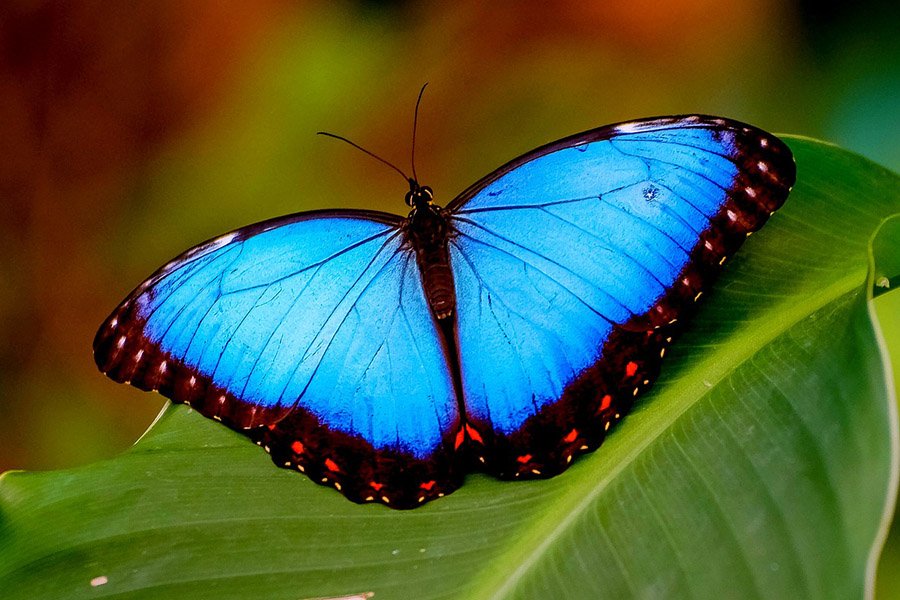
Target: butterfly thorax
x,y
427,230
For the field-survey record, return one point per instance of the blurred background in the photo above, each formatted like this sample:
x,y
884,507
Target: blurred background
x,y
131,131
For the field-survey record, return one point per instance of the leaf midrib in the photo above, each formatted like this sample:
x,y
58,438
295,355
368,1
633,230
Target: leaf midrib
x,y
737,351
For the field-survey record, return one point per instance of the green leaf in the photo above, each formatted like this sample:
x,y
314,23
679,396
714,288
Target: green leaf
x,y
762,463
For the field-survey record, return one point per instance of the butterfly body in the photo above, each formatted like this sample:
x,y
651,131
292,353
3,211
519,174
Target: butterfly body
x,y
387,356
427,230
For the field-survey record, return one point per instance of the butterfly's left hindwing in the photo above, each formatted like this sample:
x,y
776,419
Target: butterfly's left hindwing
x,y
312,335
575,263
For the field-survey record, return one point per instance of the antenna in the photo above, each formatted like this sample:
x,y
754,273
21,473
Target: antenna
x,y
412,181
415,127
358,147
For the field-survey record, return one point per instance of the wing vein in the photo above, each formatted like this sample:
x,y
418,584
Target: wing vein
x,y
343,319
576,275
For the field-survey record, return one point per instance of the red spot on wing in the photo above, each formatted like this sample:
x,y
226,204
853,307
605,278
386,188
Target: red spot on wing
x,y
631,368
524,458
571,437
428,485
297,447
605,402
460,437
375,485
331,465
473,433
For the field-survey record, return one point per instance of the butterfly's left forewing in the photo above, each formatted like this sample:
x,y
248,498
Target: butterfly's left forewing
x,y
312,335
574,263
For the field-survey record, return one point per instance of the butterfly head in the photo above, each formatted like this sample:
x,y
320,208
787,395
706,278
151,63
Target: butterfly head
x,y
419,196
426,224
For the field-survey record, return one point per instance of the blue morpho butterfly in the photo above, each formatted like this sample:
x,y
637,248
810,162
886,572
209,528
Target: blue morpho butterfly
x,y
386,356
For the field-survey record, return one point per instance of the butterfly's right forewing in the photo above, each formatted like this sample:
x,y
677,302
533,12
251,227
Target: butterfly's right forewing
x,y
575,264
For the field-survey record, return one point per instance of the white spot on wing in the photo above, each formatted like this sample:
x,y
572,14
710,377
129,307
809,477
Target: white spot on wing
x,y
628,128
121,342
222,240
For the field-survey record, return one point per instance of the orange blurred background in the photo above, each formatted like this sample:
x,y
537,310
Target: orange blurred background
x,y
131,131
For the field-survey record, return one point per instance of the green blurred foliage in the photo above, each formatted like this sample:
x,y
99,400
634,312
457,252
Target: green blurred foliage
x,y
131,132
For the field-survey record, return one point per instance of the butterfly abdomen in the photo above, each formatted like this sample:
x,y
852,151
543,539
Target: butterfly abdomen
x,y
427,231
438,281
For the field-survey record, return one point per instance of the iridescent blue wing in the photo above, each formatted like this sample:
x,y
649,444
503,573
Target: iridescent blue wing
x,y
574,263
312,335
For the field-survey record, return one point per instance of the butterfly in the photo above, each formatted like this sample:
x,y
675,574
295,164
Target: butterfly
x,y
506,332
